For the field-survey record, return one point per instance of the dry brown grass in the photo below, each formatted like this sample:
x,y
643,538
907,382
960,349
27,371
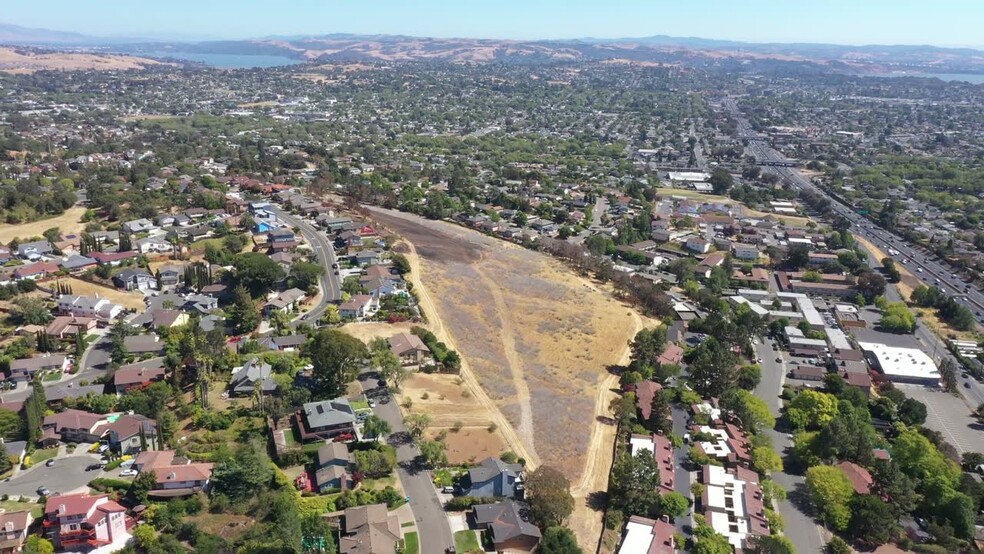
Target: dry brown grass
x,y
20,62
68,222
471,445
372,330
123,298
537,340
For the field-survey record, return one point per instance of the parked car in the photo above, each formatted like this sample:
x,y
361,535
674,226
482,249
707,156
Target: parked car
x,y
448,490
128,473
50,462
94,467
372,403
43,491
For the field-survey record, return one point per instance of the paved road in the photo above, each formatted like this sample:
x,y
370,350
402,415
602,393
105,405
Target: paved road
x,y
681,476
428,511
330,283
66,476
796,509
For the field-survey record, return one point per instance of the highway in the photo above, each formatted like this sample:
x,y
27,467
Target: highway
x,y
933,271
330,283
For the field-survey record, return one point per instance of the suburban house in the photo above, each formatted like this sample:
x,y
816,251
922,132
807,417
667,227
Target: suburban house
x,y
359,307
645,392
286,302
732,504
167,319
26,368
287,343
153,245
81,522
88,306
141,345
368,257
170,276
72,426
508,526
698,244
135,279
332,469
409,349
325,419
244,378
493,477
35,271
647,536
33,251
662,451
128,433
370,530
139,225
77,264
176,476
13,531
113,259
68,326
136,376
859,477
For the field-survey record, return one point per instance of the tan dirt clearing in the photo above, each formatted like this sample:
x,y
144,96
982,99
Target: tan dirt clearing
x,y
536,341
67,222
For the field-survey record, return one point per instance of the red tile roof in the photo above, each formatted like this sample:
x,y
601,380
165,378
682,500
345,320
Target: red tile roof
x,y
645,392
860,477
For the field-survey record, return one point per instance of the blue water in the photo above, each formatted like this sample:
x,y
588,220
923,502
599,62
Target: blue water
x,y
230,61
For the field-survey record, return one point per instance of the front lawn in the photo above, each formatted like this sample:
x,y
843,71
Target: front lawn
x,y
42,455
411,545
466,541
37,510
361,404
53,376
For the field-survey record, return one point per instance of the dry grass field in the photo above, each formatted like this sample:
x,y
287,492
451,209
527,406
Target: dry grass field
x,y
126,299
69,222
536,341
13,60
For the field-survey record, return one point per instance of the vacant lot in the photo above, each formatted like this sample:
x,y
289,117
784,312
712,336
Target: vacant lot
x,y
536,338
126,299
67,222
372,330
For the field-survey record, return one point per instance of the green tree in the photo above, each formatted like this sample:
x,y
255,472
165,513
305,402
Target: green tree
x,y
871,285
648,345
305,275
659,416
559,540
336,357
167,425
836,545
417,425
243,313
32,311
673,504
872,521
708,541
634,483
434,453
773,544
749,376
11,426
37,545
143,484
249,472
376,427
752,411
721,181
811,409
712,369
831,492
257,272
549,495
766,460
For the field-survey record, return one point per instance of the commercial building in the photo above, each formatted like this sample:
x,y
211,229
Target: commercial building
x,y
791,306
902,365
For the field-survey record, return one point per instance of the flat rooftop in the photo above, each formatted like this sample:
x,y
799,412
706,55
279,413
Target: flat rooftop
x,y
902,362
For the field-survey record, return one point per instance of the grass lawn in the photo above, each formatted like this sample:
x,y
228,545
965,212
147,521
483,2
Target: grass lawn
x,y
53,376
466,541
42,455
411,543
361,404
36,510
442,477
381,483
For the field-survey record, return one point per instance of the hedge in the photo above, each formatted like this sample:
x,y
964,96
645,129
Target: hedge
x,y
462,503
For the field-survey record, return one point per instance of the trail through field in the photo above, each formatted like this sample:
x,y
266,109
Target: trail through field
x,y
436,326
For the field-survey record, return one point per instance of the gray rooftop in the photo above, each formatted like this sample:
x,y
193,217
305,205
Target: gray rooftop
x,y
328,413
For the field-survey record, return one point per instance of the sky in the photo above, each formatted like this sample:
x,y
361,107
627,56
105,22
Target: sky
x,y
937,22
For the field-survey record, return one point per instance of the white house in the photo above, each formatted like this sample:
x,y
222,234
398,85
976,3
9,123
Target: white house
x,y
88,306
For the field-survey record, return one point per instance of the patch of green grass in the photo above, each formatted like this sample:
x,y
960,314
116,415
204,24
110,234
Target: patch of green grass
x,y
442,477
466,541
37,510
201,244
382,482
411,544
53,376
361,404
42,455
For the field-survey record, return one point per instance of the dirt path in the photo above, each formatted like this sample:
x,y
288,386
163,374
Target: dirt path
x,y
512,438
525,428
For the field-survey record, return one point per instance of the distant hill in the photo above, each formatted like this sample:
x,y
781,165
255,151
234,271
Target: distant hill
x,y
657,48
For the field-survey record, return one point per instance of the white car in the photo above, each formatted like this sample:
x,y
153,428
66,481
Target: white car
x,y
128,473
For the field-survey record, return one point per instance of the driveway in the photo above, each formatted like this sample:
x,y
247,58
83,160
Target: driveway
x,y
428,511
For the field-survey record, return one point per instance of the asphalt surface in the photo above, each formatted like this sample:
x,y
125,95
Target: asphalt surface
x,y
66,476
94,363
428,511
682,476
796,510
330,283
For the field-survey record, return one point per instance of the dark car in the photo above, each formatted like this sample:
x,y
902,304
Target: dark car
x,y
94,467
966,385
50,462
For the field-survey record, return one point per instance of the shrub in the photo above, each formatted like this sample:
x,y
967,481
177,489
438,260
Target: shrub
x,y
463,503
104,484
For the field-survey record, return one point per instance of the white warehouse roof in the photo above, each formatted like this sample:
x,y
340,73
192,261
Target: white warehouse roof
x,y
901,362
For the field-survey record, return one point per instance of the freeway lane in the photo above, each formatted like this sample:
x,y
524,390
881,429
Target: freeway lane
x,y
330,283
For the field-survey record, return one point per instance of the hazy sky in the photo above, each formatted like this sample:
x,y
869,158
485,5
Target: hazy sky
x,y
939,22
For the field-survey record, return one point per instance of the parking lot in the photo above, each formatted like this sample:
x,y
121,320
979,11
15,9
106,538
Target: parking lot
x,y
950,416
